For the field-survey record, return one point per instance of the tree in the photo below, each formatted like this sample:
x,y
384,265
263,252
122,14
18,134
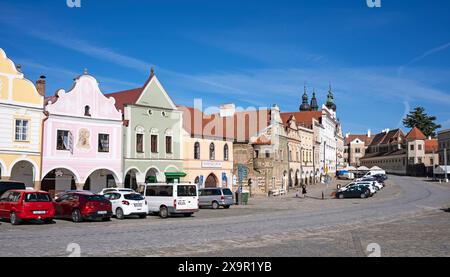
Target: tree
x,y
418,118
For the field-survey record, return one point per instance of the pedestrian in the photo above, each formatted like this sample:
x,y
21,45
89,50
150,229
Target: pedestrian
x,y
304,191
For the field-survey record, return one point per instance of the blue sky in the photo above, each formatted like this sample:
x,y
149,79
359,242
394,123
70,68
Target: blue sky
x,y
381,62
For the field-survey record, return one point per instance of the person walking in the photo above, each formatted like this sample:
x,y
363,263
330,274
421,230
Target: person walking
x,y
304,191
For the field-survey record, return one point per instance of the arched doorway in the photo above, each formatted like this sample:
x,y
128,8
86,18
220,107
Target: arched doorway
x,y
291,178
297,178
100,179
211,181
23,171
130,181
59,180
151,176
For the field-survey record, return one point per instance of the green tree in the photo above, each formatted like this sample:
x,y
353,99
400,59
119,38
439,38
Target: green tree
x,y
418,118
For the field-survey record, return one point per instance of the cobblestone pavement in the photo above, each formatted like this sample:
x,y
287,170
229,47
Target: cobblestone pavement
x,y
405,219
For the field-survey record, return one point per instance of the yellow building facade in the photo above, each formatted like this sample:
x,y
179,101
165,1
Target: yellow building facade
x,y
21,115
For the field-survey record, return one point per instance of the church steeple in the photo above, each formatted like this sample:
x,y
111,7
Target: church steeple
x,y
305,106
314,106
330,100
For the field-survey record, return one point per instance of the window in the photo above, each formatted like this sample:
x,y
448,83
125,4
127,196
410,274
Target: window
x,y
185,191
197,151
62,140
420,147
256,154
154,143
225,153
212,152
419,160
412,147
103,143
358,150
267,154
140,143
21,130
169,145
87,111
431,161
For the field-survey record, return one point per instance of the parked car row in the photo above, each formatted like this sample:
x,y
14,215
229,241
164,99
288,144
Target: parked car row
x,y
17,203
363,187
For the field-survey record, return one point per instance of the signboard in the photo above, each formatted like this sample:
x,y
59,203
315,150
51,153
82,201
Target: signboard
x,y
242,172
224,179
201,181
211,164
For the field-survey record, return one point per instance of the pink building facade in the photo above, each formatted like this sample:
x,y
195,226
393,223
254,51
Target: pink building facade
x,y
82,139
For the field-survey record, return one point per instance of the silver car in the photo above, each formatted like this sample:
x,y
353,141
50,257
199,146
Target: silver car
x,y
215,197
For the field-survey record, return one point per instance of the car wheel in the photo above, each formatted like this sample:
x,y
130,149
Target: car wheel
x,y
363,195
163,212
215,205
119,214
341,196
76,216
14,219
227,206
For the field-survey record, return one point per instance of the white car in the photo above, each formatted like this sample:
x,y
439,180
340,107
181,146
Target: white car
x,y
104,191
126,203
369,185
170,199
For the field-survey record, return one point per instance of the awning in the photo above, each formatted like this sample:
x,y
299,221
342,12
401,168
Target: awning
x,y
175,174
442,169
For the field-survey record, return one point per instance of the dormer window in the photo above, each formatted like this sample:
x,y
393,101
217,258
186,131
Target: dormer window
x,y
87,111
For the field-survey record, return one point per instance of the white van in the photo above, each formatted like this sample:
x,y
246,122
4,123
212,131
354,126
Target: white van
x,y
168,199
375,172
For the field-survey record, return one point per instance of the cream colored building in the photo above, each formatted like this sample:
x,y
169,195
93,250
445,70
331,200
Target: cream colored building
x,y
21,115
207,154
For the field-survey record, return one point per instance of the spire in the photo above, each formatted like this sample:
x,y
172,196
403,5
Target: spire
x,y
330,100
314,106
85,71
304,106
152,72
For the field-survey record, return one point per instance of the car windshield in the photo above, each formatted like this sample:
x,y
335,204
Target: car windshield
x,y
95,198
37,197
133,196
227,192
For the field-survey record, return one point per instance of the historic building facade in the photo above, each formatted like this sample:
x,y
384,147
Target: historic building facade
x,y
21,115
444,143
207,151
397,153
82,144
261,146
152,127
355,148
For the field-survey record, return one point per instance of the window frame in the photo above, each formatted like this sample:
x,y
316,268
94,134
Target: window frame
x,y
99,141
21,132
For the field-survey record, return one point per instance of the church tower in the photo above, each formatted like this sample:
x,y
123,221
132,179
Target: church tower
x,y
304,107
330,100
314,106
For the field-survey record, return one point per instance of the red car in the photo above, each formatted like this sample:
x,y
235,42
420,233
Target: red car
x,y
81,205
18,205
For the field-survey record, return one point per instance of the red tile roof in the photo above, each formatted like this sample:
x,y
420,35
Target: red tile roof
x,y
239,127
303,118
415,134
431,145
129,96
366,139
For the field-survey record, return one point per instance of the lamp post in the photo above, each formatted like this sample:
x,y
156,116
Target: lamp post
x,y
445,165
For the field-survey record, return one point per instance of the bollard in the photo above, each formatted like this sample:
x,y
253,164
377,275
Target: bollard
x,y
323,197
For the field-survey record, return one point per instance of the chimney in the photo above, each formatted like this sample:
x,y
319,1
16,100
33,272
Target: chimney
x,y
347,135
369,133
40,85
19,68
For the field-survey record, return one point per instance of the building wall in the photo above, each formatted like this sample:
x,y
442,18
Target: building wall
x,y
444,143
391,164
19,99
68,114
153,114
203,167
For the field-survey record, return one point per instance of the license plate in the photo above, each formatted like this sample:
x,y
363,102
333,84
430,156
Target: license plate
x,y
101,212
39,212
138,205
